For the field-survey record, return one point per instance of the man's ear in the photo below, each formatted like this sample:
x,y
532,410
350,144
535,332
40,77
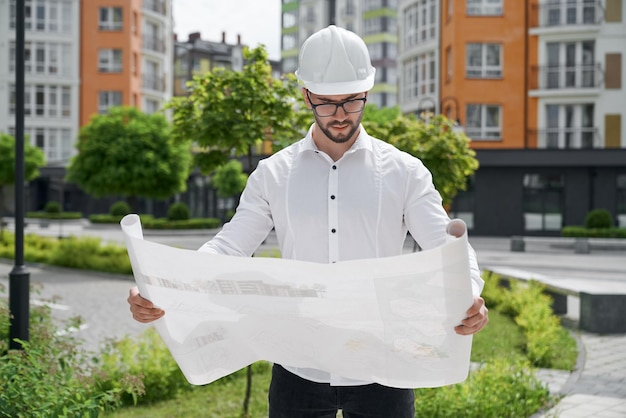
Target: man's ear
x,y
306,98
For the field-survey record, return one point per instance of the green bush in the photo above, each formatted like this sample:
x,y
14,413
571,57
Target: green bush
x,y
194,223
87,253
598,218
113,219
50,376
52,207
582,232
146,356
120,209
178,211
60,215
531,309
497,389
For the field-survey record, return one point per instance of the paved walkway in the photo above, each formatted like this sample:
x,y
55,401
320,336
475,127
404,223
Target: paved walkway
x,y
597,388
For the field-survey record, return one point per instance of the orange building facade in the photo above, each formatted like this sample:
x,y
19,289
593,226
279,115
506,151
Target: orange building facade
x,y
110,55
484,66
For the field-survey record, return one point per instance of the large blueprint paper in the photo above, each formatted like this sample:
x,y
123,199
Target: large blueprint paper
x,y
388,320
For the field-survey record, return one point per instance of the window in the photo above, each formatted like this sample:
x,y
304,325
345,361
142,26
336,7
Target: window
x,y
419,22
110,60
558,13
621,200
45,58
419,76
483,60
43,101
543,202
56,143
484,121
569,126
44,15
484,7
463,204
151,106
570,65
289,41
110,18
449,66
290,19
107,99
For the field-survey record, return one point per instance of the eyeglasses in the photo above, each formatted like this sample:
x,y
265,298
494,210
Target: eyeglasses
x,y
329,109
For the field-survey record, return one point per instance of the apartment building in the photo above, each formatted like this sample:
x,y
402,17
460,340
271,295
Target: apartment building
x,y
537,86
81,57
374,20
51,71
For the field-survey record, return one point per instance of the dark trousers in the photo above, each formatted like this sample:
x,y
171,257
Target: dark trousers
x,y
290,396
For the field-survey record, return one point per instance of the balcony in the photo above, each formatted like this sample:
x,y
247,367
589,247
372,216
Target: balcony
x,y
552,77
564,13
156,6
153,82
567,138
153,43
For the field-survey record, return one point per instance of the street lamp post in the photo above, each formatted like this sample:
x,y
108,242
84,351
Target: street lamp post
x,y
19,277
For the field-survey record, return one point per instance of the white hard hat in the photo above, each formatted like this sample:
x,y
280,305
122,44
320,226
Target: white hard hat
x,y
335,61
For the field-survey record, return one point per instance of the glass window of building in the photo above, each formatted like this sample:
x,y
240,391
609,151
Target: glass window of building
x,y
569,126
484,122
463,204
543,201
110,18
483,60
621,200
484,7
107,99
110,60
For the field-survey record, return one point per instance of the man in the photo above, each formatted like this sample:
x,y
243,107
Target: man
x,y
336,195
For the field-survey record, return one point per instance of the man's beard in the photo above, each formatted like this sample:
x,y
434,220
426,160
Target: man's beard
x,y
340,138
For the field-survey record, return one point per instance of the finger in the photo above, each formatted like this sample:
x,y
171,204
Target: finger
x,y
476,307
134,298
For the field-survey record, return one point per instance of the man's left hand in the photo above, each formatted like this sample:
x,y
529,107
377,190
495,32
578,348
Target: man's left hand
x,y
477,318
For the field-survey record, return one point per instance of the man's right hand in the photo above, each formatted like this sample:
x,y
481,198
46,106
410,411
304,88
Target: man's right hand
x,y
142,309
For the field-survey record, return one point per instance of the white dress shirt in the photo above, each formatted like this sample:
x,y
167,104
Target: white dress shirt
x,y
325,211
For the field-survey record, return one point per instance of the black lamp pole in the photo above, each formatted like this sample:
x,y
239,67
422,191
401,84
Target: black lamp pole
x,y
19,277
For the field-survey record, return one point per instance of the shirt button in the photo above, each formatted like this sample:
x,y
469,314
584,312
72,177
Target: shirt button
x,y
334,167
333,230
332,197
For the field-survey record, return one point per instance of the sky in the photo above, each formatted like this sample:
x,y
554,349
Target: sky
x,y
257,21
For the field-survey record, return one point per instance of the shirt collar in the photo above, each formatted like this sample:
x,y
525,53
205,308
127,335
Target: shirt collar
x,y
363,141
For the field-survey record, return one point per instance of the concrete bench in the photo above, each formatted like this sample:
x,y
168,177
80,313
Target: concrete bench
x,y
579,245
601,312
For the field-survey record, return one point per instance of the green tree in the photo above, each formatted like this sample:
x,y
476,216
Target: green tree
x,y
228,112
129,153
33,159
229,179
442,149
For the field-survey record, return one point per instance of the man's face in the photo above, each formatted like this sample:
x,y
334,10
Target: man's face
x,y
341,126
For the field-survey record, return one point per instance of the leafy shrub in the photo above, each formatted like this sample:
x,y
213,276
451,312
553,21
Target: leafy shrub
x,y
50,376
598,218
148,357
89,253
531,309
178,211
496,389
52,207
194,223
113,219
580,231
53,215
86,253
120,209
